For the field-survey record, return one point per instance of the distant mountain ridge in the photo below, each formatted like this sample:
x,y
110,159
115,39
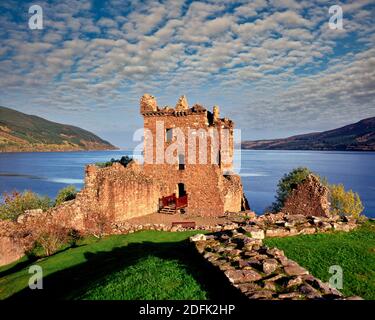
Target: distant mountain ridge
x,y
359,136
22,132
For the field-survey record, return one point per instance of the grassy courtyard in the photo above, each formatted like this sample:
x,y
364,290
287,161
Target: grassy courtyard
x,y
162,265
143,265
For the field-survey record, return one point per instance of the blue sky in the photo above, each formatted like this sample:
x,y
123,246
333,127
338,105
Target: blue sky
x,y
274,67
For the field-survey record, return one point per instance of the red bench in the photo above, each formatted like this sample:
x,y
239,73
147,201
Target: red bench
x,y
184,224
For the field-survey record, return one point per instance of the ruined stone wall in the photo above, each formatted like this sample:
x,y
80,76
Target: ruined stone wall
x,y
121,192
170,121
184,119
232,193
260,272
310,198
10,250
201,186
118,192
209,192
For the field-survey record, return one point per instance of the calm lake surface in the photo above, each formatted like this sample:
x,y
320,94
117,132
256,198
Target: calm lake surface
x,y
46,173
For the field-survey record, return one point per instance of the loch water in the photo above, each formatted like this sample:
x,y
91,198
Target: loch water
x,y
47,172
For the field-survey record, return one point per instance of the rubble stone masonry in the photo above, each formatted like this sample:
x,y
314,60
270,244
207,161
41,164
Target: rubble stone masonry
x,y
310,198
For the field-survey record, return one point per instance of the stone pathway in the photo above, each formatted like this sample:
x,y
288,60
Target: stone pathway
x,y
260,272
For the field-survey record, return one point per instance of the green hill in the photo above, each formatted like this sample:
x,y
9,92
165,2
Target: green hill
x,y
23,132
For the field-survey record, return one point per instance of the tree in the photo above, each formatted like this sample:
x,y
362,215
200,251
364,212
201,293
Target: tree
x,y
343,202
16,203
51,237
288,183
66,194
74,236
125,160
43,232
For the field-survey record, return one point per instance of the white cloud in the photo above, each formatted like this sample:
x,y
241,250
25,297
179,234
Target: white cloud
x,y
271,53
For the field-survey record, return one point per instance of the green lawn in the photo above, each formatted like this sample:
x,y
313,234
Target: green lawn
x,y
163,265
143,265
353,251
144,280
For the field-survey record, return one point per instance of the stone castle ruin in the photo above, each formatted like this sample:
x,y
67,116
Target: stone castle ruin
x,y
175,185
207,188
196,189
203,189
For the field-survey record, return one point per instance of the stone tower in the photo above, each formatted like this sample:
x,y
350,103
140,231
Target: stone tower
x,y
185,148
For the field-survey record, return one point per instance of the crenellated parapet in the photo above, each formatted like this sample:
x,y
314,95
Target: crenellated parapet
x,y
149,108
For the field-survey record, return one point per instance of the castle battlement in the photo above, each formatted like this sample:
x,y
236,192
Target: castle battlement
x,y
149,108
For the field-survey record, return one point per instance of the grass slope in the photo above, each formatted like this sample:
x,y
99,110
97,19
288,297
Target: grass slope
x,y
162,265
150,278
353,251
18,129
143,265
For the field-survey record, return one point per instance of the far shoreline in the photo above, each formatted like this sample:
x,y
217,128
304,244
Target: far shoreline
x,y
242,149
310,150
59,151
